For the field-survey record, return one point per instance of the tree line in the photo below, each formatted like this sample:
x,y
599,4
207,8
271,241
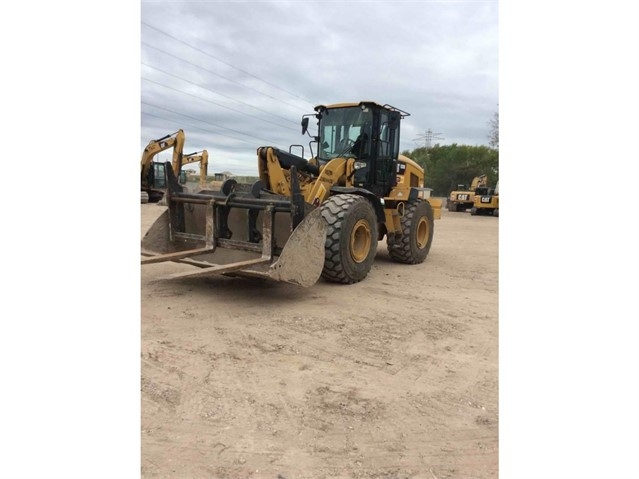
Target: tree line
x,y
451,165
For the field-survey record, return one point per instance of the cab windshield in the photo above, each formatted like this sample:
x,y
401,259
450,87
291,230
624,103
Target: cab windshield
x,y
344,132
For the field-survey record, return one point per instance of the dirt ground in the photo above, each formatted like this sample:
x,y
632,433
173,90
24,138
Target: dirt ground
x,y
393,377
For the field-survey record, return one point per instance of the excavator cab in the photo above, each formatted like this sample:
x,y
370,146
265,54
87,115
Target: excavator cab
x,y
159,176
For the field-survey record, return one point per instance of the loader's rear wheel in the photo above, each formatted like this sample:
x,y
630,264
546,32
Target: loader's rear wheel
x,y
351,238
417,228
144,197
473,211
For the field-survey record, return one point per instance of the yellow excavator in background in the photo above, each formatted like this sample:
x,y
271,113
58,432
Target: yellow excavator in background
x,y
153,178
306,219
464,197
200,156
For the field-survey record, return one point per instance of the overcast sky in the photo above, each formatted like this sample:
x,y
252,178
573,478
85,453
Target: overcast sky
x,y
239,75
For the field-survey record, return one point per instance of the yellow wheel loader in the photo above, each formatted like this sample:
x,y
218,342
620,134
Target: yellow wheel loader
x,y
464,197
306,219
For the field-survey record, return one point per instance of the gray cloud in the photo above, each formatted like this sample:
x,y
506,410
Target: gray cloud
x,y
238,75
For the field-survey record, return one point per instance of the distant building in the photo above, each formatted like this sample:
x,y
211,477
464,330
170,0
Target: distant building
x,y
225,175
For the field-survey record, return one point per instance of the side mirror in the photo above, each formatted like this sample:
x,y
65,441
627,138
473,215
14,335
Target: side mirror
x,y
304,125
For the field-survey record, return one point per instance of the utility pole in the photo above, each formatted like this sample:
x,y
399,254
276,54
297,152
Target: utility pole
x,y
427,137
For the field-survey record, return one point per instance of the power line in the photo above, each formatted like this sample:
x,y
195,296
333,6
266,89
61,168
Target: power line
x,y
208,123
217,93
223,77
222,61
215,133
146,113
218,104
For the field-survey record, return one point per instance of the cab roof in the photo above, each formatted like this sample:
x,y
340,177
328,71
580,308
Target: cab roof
x,y
369,103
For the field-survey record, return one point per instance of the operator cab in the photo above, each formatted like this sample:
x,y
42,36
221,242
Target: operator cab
x,y
366,131
157,176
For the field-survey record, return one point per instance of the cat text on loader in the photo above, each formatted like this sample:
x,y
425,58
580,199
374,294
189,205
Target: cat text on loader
x,y
306,219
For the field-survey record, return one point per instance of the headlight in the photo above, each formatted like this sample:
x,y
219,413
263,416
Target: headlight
x,y
359,165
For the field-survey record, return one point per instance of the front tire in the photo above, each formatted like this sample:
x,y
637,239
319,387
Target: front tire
x,y
351,238
417,228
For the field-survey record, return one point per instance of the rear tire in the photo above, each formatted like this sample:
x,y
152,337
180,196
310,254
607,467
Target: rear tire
x,y
351,238
417,228
144,197
473,211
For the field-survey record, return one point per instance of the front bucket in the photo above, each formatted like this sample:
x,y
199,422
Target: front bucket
x,y
300,261
302,258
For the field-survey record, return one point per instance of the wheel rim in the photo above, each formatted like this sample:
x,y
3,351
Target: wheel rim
x,y
360,241
422,233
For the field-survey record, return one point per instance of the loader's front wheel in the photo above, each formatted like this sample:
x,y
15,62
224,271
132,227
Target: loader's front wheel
x,y
351,238
417,234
